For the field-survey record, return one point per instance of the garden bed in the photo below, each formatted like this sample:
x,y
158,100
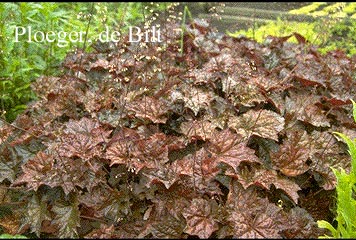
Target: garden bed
x,y
202,135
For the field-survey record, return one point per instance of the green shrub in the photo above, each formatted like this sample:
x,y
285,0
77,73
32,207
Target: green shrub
x,y
345,189
335,29
279,28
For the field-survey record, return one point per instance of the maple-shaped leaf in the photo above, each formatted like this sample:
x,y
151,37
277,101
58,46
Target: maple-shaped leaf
x,y
321,168
198,129
67,218
229,147
249,215
199,217
201,169
201,77
293,154
63,99
247,226
57,172
45,84
315,116
288,186
246,94
78,145
275,81
164,174
338,61
324,143
344,118
100,64
223,63
262,123
153,149
303,107
36,213
4,134
341,81
200,163
18,149
133,229
326,153
108,202
265,178
244,69
29,130
96,197
194,98
36,171
116,205
309,71
139,153
169,227
82,138
6,170
318,203
92,101
121,145
104,231
120,152
342,90
149,108
83,126
299,224
172,201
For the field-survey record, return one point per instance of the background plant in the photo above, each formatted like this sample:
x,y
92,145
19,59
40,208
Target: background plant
x,y
335,28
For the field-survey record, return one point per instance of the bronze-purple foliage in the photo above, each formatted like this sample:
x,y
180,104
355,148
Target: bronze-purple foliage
x,y
232,138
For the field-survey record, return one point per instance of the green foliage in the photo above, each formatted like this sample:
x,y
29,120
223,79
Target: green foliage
x,y
279,28
22,62
8,236
307,9
345,188
335,29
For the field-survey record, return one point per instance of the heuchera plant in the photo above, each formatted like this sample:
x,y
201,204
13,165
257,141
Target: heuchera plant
x,y
224,138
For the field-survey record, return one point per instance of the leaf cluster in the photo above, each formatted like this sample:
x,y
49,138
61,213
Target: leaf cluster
x,y
223,138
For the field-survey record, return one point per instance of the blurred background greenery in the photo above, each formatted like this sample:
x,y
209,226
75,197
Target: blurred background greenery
x,y
333,26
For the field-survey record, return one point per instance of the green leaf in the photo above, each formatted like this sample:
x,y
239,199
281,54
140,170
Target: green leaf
x,y
68,218
8,236
325,224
